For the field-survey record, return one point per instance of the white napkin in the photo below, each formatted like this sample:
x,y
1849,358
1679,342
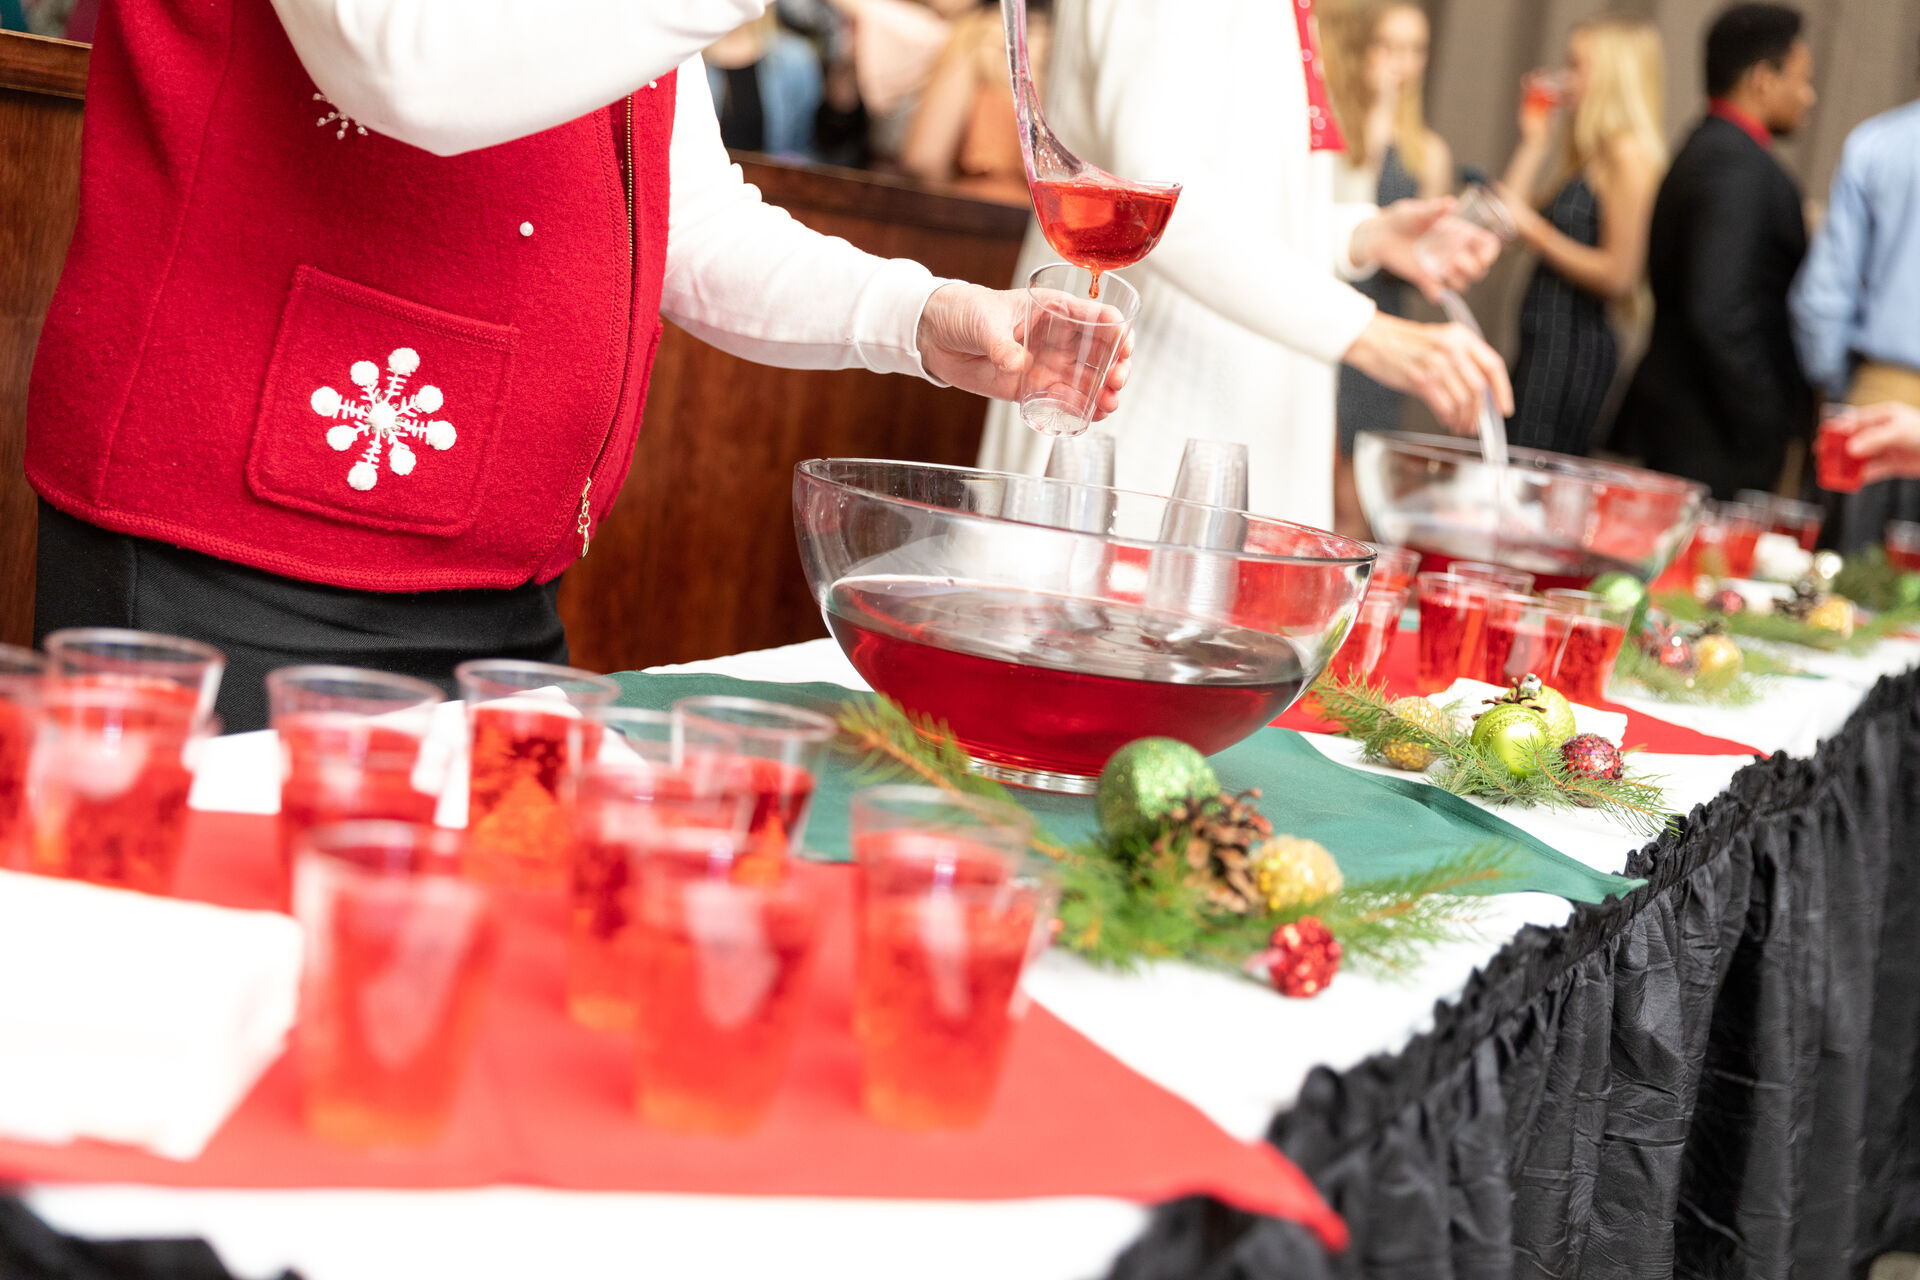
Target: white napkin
x,y
135,1019
1470,694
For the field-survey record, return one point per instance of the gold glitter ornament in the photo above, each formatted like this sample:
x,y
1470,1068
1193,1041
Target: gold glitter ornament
x,y
1423,713
1834,614
1717,660
1294,870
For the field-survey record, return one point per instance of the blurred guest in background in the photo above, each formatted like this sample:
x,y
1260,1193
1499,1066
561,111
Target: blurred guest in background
x,y
766,87
964,128
1719,393
1592,237
1376,79
1244,306
895,44
1856,305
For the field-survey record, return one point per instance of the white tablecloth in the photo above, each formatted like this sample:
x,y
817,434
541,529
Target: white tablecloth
x,y
1232,1049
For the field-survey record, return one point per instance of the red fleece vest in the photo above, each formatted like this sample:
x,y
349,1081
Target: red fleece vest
x,y
290,342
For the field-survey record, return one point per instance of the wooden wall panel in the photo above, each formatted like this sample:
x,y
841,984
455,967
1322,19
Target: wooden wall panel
x,y
40,86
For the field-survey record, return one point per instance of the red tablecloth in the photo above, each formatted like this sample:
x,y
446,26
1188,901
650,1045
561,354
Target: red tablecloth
x,y
1644,731
549,1103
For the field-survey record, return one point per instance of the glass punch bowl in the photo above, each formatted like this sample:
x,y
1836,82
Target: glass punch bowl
x,y
1047,624
1566,520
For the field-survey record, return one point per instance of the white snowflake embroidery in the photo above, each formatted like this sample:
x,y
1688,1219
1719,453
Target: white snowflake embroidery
x,y
384,414
336,116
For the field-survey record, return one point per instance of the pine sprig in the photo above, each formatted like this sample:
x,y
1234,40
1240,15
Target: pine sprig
x,y
1385,925
1364,714
1775,628
1120,907
1637,668
1870,580
891,744
1125,900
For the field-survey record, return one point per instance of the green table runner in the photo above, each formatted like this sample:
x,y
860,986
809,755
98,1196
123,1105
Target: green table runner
x,y
1374,826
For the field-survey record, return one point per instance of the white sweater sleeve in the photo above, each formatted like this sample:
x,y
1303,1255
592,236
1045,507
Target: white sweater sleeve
x,y
1188,90
745,277
456,75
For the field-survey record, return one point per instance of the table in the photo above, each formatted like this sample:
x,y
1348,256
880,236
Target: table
x,y
1454,1119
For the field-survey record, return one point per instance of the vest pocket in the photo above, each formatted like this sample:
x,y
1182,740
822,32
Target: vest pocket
x,y
378,411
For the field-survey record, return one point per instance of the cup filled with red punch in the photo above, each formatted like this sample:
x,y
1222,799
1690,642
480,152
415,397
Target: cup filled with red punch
x,y
952,906
122,719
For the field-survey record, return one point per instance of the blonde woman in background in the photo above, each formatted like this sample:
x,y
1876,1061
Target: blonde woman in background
x,y
1376,53
1591,232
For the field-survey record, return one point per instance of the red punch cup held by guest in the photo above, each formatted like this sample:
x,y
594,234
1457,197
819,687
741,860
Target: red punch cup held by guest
x,y
1838,472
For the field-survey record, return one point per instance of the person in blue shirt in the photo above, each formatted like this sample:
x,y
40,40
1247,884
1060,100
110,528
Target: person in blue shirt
x,y
1856,302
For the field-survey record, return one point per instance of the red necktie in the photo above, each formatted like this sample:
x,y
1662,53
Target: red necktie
x,y
1324,130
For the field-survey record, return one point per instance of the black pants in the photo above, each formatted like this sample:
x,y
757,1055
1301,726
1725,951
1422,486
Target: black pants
x,y
89,577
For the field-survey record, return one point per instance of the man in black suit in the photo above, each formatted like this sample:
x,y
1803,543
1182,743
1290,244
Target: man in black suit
x,y
1719,393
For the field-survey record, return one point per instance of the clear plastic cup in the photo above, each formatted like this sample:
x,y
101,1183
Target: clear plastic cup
x,y
1393,569
1595,629
113,762
1838,471
721,970
1517,581
1903,545
1453,616
783,748
526,735
22,675
351,748
952,908
399,953
1071,343
639,785
163,666
1521,640
1374,626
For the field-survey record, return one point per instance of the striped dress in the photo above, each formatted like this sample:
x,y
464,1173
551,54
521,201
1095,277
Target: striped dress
x,y
1568,353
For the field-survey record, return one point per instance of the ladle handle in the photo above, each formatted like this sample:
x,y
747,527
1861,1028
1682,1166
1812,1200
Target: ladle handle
x,y
1493,430
1040,152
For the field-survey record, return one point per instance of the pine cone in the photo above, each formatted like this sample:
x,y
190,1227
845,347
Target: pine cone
x,y
1805,599
1216,837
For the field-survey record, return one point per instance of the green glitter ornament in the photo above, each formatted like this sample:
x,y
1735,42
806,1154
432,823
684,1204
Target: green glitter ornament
x,y
1906,590
1558,712
1623,589
1145,779
1512,734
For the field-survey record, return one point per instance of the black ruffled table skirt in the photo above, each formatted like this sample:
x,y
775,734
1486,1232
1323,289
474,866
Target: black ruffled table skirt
x,y
1718,1076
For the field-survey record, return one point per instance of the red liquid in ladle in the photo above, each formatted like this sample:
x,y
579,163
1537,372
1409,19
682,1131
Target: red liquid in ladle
x,y
1100,226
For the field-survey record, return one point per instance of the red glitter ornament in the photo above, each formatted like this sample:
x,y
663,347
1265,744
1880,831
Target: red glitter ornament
x,y
1588,755
1676,654
1302,957
1727,601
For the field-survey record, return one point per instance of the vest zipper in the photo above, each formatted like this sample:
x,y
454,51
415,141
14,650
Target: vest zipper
x,y
584,525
